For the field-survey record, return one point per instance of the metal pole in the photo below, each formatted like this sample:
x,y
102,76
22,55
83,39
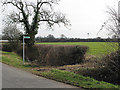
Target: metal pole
x,y
23,51
118,26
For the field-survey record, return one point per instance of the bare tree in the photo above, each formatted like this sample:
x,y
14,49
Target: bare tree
x,y
113,60
40,11
113,25
11,33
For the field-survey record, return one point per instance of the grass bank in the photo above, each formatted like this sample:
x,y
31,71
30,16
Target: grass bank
x,y
77,80
58,75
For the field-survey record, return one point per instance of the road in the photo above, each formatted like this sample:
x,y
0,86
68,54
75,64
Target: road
x,y
16,78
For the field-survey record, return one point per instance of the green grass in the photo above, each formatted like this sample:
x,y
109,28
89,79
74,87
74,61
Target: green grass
x,y
77,80
95,48
14,60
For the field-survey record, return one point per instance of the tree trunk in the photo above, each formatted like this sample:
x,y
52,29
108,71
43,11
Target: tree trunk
x,y
31,41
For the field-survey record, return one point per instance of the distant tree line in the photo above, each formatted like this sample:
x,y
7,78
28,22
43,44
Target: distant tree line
x,y
51,38
63,38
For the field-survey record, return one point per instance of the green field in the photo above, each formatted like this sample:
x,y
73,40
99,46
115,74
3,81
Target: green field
x,y
95,48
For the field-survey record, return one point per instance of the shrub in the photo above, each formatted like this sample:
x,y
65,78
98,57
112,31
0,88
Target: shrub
x,y
19,50
0,46
109,70
56,55
9,47
113,67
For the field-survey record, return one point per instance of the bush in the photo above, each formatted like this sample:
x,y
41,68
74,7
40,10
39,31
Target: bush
x,y
109,70
9,47
0,46
65,55
55,55
19,50
113,67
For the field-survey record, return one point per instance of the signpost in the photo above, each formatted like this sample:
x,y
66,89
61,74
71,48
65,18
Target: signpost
x,y
24,37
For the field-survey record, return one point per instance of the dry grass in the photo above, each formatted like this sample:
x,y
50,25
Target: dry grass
x,y
87,64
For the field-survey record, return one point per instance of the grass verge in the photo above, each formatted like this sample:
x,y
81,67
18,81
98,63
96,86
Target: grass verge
x,y
77,80
59,75
12,59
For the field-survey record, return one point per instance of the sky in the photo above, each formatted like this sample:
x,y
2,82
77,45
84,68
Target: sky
x,y
86,16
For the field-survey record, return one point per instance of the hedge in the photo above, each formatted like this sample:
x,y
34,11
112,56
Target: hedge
x,y
54,55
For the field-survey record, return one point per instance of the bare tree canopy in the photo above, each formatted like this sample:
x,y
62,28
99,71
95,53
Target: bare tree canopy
x,y
113,25
113,22
11,33
39,11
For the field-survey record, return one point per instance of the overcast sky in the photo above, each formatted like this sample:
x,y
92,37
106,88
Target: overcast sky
x,y
86,16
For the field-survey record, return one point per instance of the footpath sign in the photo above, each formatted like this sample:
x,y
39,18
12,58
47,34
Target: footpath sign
x,y
24,37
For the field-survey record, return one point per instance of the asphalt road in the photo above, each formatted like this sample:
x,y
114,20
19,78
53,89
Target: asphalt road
x,y
16,78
